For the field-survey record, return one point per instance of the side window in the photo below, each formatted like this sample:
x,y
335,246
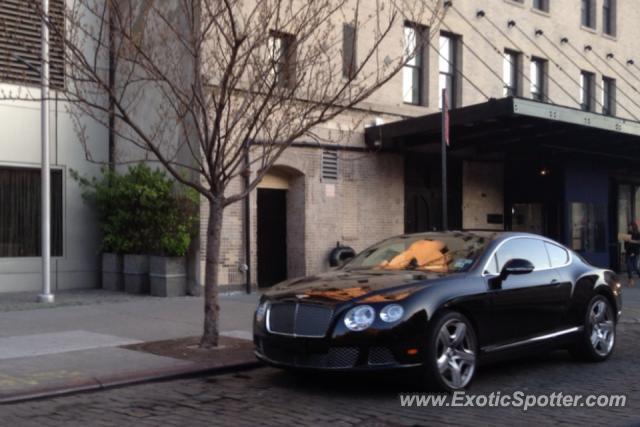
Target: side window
x,y
532,250
492,266
557,255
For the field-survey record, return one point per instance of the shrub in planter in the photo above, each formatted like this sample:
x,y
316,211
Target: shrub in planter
x,y
112,278
140,213
103,194
168,267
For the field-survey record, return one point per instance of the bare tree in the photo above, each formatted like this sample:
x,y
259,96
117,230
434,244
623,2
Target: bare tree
x,y
216,90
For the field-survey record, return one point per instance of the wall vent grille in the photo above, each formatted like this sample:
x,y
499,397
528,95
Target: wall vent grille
x,y
330,165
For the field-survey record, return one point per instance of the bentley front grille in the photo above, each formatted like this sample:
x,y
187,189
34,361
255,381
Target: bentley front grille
x,y
298,319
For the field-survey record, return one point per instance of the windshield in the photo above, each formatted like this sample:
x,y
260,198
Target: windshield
x,y
442,253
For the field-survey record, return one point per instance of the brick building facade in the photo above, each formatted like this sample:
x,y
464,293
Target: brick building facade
x,y
570,66
576,54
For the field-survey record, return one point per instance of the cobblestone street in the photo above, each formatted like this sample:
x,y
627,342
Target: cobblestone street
x,y
270,397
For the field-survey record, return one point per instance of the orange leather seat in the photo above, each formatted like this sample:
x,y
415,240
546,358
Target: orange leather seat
x,y
426,253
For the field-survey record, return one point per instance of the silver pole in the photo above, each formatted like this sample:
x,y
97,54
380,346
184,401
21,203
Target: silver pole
x,y
46,296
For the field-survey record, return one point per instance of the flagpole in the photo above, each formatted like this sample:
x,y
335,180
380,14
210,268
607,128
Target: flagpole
x,y
443,150
46,296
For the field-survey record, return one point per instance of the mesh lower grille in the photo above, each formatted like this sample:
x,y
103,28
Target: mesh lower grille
x,y
336,357
342,357
381,356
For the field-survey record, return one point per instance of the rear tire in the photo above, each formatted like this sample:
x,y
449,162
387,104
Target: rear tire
x,y
451,353
597,339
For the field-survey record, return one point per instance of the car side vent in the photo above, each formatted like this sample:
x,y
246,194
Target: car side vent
x,y
330,165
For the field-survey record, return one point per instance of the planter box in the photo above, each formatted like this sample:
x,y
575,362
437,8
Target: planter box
x,y
168,276
112,279
136,274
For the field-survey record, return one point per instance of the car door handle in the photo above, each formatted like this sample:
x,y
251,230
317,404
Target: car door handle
x,y
555,281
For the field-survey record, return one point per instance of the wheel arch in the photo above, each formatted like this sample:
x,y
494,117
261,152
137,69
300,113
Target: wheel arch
x,y
452,306
606,292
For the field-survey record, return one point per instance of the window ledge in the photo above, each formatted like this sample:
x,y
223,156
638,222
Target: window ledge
x,y
541,12
515,3
610,36
413,107
589,29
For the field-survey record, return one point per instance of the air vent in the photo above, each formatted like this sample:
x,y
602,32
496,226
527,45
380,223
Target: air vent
x,y
20,27
329,165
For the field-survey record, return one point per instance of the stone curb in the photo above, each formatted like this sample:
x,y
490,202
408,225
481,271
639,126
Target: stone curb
x,y
120,380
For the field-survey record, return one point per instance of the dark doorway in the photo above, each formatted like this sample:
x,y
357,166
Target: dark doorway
x,y
533,195
272,236
423,193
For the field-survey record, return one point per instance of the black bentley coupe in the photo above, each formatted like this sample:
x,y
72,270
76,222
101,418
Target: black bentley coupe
x,y
441,303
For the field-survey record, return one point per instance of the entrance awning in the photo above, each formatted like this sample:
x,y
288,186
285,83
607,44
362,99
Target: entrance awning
x,y
513,124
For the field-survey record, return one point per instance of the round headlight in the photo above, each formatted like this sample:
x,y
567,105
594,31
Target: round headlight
x,y
261,311
391,313
359,318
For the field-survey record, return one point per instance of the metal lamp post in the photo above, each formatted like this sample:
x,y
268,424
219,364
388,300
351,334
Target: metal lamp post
x,y
46,296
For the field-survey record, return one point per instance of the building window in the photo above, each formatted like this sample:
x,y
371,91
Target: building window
x,y
542,5
587,83
413,71
587,227
20,212
20,49
511,67
283,55
447,66
609,17
538,79
588,13
349,52
608,96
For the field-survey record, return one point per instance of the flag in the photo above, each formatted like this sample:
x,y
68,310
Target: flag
x,y
445,119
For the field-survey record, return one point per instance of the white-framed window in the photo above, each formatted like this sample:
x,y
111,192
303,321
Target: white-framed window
x,y
282,55
538,79
349,51
542,5
447,69
587,86
609,17
20,201
588,13
414,69
608,96
511,73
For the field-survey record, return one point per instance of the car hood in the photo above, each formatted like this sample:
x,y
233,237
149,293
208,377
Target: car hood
x,y
363,286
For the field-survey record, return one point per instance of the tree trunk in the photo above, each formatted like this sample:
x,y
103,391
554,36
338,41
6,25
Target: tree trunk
x,y
211,308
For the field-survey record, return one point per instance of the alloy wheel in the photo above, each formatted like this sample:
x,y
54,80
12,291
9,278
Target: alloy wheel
x,y
602,328
455,355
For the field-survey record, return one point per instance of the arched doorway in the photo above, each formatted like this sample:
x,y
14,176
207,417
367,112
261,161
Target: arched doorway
x,y
280,226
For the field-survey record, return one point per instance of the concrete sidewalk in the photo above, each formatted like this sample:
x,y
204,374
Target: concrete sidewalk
x,y
93,339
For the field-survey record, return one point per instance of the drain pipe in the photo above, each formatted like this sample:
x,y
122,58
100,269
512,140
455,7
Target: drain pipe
x,y
247,223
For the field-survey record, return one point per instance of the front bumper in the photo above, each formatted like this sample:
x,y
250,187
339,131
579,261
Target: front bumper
x,y
312,354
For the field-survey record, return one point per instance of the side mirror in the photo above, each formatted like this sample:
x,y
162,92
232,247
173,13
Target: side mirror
x,y
513,266
516,266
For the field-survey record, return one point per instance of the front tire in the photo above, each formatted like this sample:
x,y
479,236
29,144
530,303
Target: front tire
x,y
596,342
450,353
